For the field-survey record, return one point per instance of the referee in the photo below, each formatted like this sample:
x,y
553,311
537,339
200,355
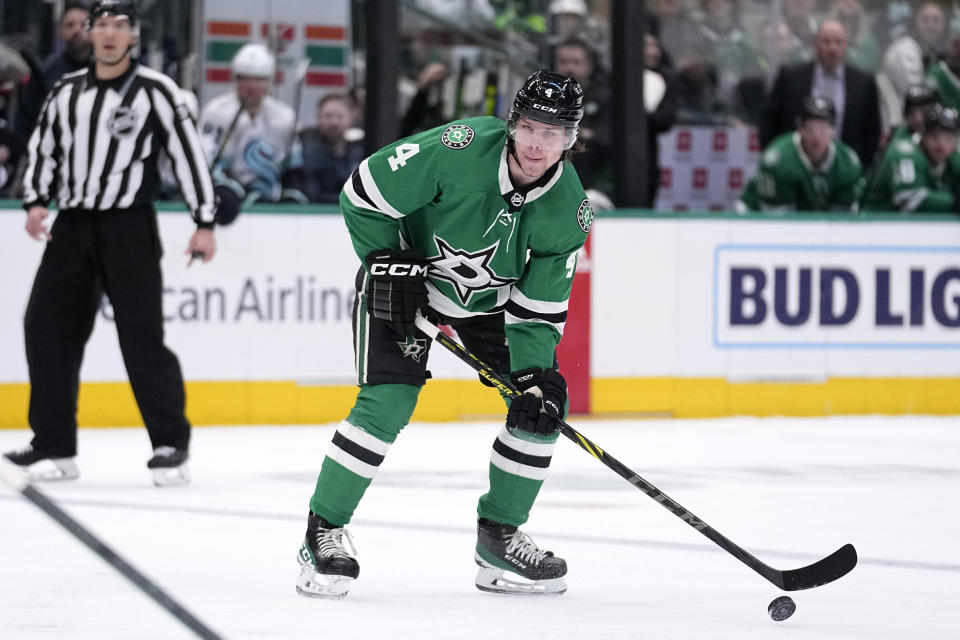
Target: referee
x,y
94,151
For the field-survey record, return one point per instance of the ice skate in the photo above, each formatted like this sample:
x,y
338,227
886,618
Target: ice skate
x,y
169,467
43,467
327,569
511,562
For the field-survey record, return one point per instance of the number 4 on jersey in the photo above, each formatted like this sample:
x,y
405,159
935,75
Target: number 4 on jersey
x,y
404,151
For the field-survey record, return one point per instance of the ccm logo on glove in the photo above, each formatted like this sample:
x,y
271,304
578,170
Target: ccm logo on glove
x,y
403,270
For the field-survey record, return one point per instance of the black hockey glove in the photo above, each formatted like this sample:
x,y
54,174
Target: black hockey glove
x,y
397,287
540,408
228,197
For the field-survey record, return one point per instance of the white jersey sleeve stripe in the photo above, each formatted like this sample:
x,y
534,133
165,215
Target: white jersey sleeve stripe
x,y
373,191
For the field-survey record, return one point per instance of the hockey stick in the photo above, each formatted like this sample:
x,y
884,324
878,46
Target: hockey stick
x,y
836,565
226,136
299,79
16,479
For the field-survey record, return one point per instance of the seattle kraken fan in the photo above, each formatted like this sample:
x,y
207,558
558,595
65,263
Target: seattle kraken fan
x,y
806,170
477,223
94,152
921,175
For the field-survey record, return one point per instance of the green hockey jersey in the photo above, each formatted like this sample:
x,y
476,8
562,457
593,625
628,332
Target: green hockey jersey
x,y
491,246
946,83
786,180
906,181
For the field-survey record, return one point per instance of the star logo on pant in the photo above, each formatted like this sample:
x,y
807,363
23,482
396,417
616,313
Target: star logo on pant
x,y
413,348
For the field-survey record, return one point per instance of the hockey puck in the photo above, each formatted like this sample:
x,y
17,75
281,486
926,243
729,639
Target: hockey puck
x,y
781,608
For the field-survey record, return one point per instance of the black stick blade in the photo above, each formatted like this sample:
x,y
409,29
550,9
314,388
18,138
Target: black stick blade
x,y
836,565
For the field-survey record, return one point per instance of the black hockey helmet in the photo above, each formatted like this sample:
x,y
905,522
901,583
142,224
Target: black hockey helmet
x,y
817,108
550,98
124,8
919,95
941,117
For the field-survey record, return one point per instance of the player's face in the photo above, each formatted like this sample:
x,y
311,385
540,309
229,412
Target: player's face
x,y
815,137
914,118
251,90
538,147
112,38
939,145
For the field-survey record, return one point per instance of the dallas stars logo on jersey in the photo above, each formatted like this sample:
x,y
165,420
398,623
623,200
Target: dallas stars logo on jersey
x,y
457,136
467,271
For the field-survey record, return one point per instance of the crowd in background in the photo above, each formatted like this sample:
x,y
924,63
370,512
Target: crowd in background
x,y
709,62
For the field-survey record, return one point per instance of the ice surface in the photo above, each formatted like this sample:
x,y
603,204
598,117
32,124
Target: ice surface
x,y
788,490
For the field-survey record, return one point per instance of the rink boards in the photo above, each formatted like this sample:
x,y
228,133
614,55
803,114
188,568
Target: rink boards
x,y
692,315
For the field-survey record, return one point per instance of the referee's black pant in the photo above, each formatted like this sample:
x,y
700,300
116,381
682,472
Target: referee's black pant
x,y
95,252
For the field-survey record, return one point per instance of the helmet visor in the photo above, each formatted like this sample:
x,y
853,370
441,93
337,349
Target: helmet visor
x,y
549,137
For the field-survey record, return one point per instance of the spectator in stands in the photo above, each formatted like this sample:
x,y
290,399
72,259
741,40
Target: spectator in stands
x,y
574,58
853,92
799,18
328,158
697,88
777,47
661,106
806,170
907,57
677,27
921,176
864,51
425,109
734,52
76,55
249,136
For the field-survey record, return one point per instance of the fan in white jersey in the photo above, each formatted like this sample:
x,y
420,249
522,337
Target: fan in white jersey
x,y
257,153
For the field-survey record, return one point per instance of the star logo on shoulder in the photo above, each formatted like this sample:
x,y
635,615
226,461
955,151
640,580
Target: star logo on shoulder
x,y
467,271
413,348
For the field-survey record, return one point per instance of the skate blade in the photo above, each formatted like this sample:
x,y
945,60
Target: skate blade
x,y
53,470
317,585
171,476
495,580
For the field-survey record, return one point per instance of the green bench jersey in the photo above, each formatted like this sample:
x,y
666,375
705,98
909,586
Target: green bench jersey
x,y
905,181
946,84
491,247
786,180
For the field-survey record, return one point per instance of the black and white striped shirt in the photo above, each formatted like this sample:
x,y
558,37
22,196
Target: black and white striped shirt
x,y
97,142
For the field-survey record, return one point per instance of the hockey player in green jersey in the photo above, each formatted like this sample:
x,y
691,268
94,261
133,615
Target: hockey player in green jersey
x,y
945,74
920,176
478,224
806,170
919,98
